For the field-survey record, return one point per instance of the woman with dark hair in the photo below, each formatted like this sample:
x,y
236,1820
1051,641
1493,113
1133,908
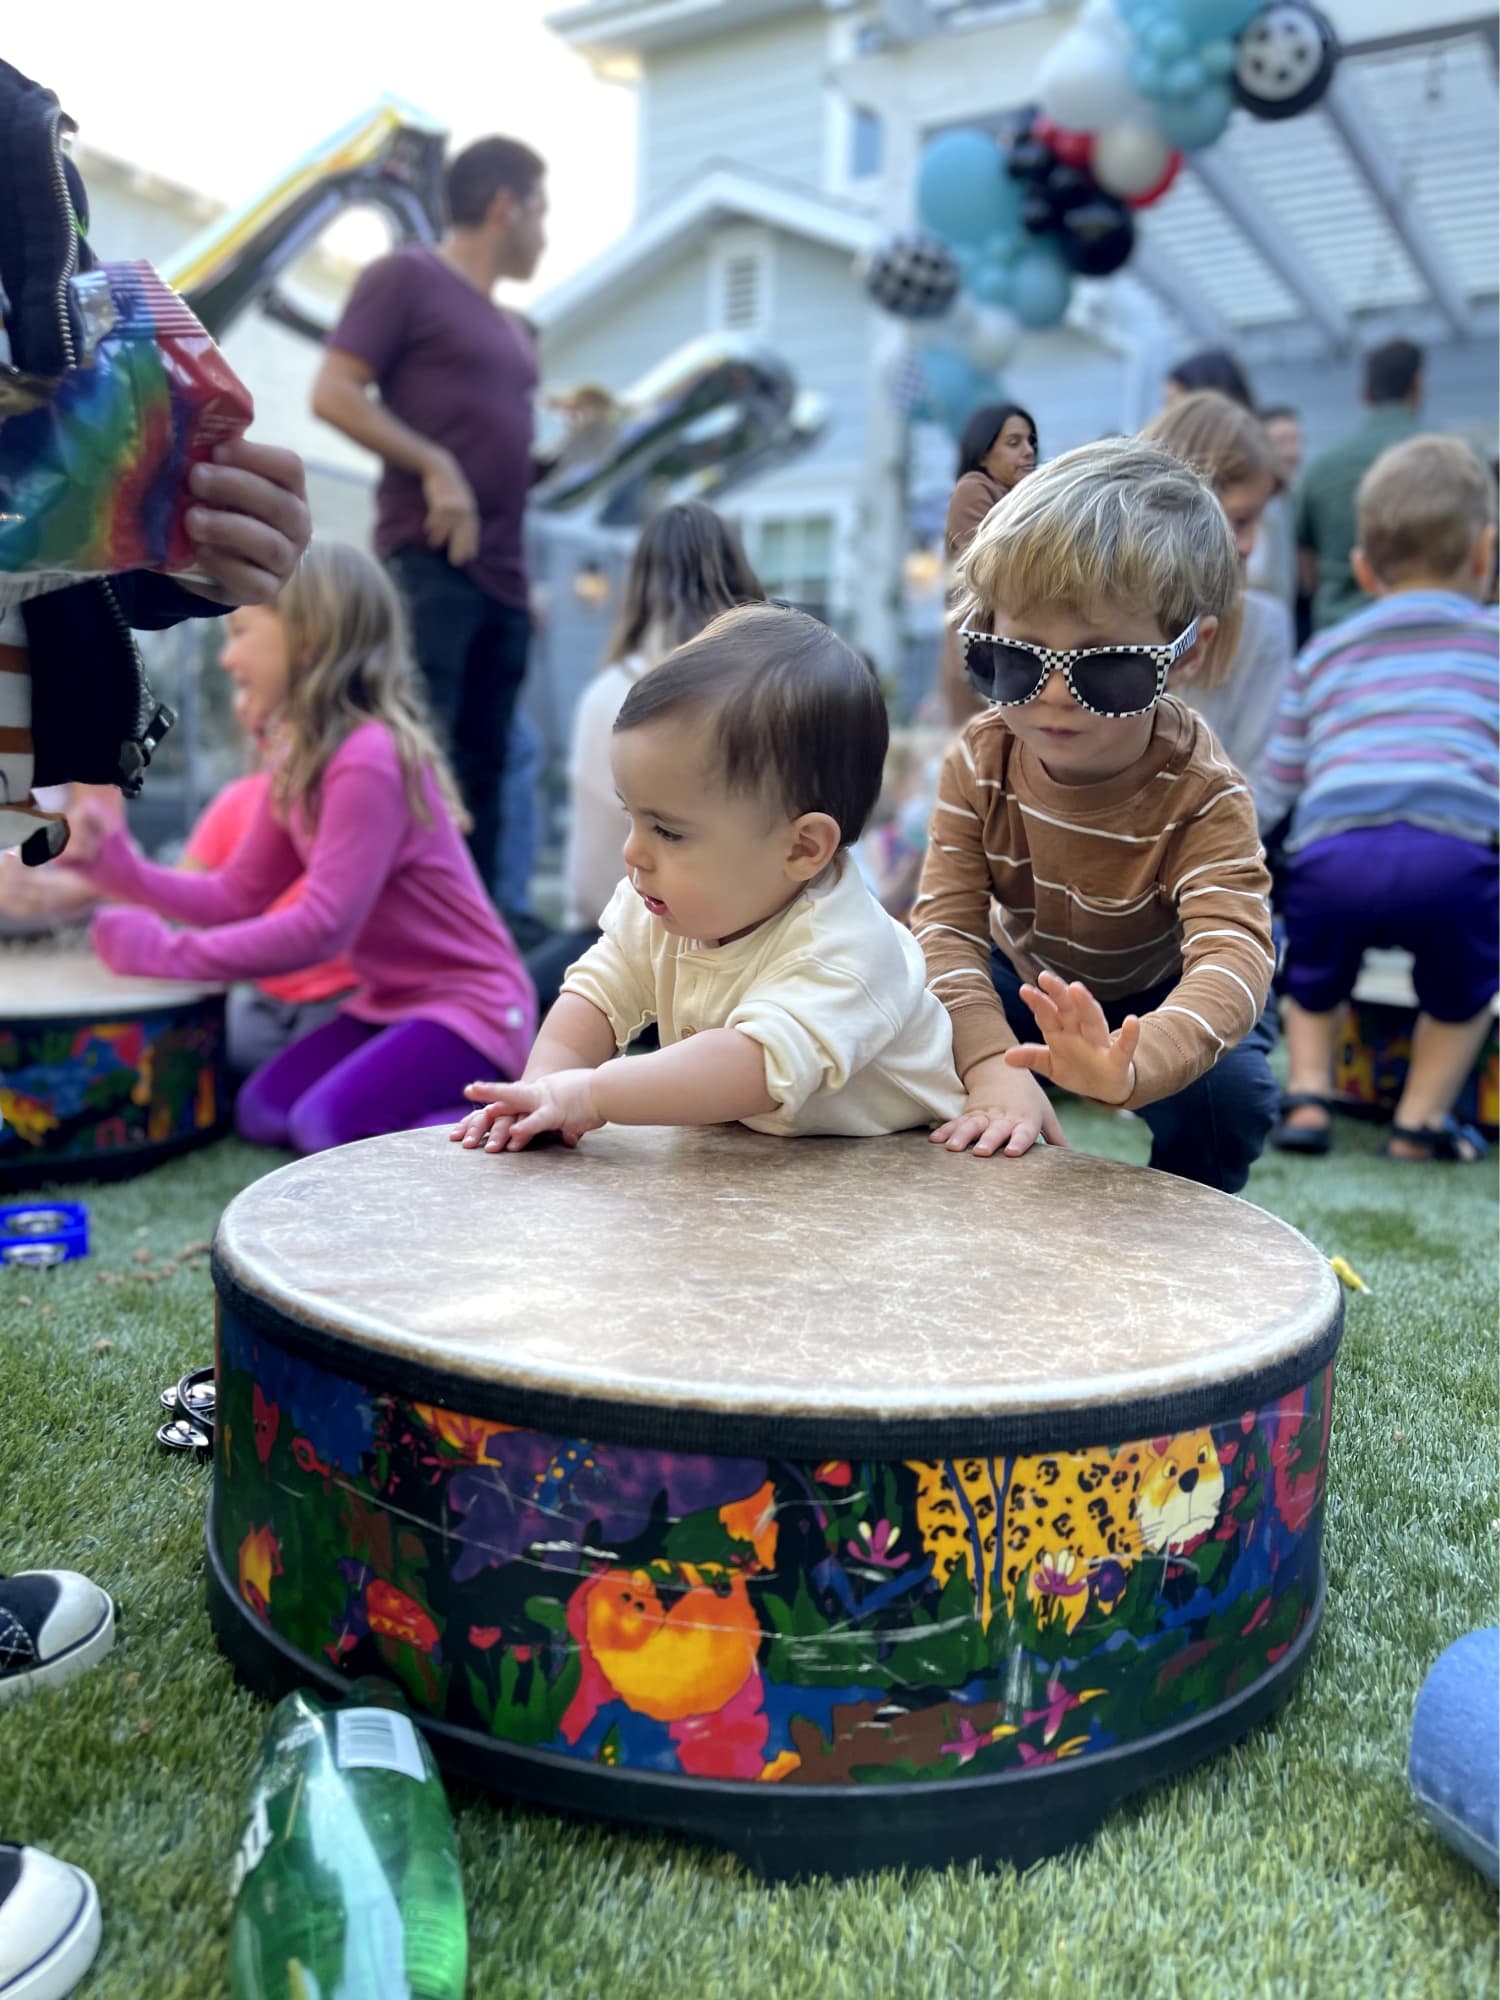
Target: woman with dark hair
x,y
1210,368
996,451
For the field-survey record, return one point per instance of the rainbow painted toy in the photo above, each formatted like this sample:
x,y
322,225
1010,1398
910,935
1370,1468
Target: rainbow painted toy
x,y
94,478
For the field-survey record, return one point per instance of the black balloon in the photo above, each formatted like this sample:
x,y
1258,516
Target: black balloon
x,y
1029,159
1038,217
1069,187
1097,236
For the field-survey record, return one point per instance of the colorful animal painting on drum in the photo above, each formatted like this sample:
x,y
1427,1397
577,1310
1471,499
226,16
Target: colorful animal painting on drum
x,y
75,1091
760,1619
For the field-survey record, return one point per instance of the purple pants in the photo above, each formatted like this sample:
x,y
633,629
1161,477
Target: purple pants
x,y
348,1080
1431,894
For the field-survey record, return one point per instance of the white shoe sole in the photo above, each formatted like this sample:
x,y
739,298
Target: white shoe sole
x,y
84,1652
56,1974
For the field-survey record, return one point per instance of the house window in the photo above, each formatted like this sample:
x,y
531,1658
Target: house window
x,y
793,557
866,144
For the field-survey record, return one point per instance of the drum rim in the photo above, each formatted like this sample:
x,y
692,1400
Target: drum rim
x,y
685,1427
80,1013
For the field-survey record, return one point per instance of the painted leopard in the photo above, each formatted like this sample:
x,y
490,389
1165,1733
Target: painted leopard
x,y
1072,1524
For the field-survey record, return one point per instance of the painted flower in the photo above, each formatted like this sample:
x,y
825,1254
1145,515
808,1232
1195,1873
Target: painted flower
x,y
835,1472
394,1615
482,1637
308,1459
1053,1574
875,1545
753,1520
468,1437
260,1560
267,1422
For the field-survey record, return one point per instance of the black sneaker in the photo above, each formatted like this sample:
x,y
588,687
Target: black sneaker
x,y
49,1925
53,1624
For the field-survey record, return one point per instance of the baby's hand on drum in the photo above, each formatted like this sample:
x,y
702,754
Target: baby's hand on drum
x,y
1080,1053
1005,1109
516,1113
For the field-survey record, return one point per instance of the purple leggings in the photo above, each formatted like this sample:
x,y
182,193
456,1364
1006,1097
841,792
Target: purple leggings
x,y
349,1080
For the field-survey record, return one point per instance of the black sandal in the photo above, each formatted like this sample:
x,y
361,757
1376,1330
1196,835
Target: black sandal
x,y
1316,1139
1449,1141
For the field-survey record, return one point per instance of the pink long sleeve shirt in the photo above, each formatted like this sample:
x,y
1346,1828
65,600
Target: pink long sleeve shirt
x,y
401,900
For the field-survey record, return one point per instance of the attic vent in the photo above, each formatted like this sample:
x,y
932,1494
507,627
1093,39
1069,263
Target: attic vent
x,y
742,291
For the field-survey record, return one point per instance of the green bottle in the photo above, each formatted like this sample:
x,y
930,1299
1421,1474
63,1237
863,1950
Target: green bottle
x,y
346,1883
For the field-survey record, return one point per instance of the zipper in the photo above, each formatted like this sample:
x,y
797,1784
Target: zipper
x,y
152,718
56,121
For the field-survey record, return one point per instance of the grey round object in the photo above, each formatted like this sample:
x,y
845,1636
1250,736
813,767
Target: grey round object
x,y
913,277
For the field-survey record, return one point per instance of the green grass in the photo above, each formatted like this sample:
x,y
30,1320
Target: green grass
x,y
1296,1864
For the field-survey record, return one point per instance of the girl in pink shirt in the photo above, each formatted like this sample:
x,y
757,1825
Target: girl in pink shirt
x,y
362,802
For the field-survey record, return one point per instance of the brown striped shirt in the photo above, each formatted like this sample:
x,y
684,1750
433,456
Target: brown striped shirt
x,y
1153,875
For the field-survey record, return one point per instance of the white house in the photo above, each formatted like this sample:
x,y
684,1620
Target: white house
x,y
778,137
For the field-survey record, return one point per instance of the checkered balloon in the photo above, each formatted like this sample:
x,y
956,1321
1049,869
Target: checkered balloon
x,y
913,277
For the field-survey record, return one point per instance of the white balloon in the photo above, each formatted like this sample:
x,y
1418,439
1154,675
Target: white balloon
x,y
1084,82
1126,160
991,338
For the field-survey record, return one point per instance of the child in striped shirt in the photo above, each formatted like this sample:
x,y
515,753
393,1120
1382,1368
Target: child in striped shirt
x,y
1385,754
1094,873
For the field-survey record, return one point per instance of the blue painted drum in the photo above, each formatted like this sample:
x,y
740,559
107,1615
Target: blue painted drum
x,y
786,1493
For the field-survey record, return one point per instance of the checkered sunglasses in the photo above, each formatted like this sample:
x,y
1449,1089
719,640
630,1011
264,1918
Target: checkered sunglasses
x,y
1108,680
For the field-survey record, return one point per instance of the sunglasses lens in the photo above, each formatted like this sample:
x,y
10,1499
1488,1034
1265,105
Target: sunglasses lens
x,y
1115,683
1003,673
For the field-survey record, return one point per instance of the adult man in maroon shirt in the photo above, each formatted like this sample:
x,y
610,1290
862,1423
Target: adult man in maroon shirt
x,y
453,377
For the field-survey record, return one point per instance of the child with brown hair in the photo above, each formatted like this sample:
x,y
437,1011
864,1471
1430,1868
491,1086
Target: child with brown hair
x,y
1228,445
1095,871
784,995
1385,757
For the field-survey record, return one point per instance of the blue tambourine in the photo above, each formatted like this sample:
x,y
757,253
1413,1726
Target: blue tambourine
x,y
36,1236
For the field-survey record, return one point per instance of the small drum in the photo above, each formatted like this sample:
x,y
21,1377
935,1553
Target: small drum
x,y
103,1076
849,1503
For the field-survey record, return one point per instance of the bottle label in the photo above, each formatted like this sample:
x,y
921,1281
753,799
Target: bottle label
x,y
378,1739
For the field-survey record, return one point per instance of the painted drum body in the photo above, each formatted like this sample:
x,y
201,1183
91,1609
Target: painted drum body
x,y
849,1503
102,1076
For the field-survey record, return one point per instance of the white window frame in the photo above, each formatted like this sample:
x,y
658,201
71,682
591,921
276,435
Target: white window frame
x,y
840,505
727,247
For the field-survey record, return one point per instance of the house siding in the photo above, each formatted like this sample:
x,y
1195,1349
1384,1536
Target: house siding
x,y
757,98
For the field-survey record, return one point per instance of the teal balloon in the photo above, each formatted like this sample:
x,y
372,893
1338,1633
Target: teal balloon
x,y
1167,40
1211,20
964,194
1184,80
1040,286
1218,60
1195,122
1004,244
952,387
991,284
1147,74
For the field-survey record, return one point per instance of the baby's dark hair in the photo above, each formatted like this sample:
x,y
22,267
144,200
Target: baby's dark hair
x,y
796,713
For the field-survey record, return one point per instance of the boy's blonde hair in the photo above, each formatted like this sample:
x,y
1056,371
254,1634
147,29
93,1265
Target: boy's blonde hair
x,y
1218,438
1119,521
348,663
1421,508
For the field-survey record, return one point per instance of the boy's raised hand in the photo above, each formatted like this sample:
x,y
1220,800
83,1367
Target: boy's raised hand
x,y
515,1113
1078,1052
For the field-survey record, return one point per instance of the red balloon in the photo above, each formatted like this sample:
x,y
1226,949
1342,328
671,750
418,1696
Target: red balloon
x,y
1072,148
1174,167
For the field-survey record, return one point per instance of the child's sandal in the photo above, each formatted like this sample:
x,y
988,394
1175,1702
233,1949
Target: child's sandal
x,y
1287,1138
1449,1141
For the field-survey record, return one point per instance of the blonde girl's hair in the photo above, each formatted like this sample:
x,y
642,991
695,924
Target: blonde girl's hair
x,y
1122,523
349,663
1220,439
689,565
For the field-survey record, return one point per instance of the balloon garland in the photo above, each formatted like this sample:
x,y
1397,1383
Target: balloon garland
x,y
1132,87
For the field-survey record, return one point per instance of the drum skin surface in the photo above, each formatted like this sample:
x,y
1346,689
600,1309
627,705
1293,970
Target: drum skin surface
x,y
848,1503
102,1076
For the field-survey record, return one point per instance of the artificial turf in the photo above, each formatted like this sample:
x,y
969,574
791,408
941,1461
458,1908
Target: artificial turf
x,y
1295,1864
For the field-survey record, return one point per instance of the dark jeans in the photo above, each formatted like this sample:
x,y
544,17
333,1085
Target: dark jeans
x,y
1216,1129
472,652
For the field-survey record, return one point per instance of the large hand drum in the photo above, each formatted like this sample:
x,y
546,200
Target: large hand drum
x,y
849,1503
100,1075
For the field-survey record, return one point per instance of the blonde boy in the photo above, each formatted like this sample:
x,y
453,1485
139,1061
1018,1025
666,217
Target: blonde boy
x,y
1095,873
